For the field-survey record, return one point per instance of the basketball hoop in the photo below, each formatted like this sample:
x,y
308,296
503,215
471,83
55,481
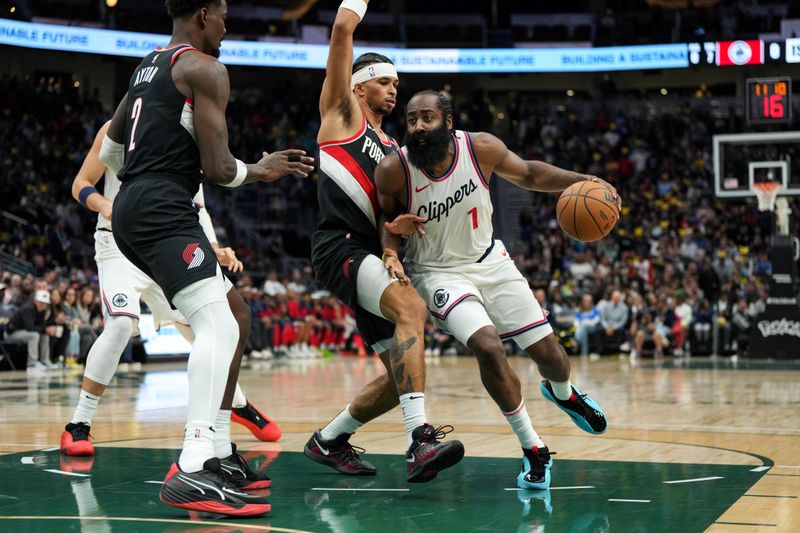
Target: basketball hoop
x,y
766,192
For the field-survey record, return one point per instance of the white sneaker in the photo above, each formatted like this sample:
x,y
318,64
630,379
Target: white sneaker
x,y
266,353
428,352
124,367
436,352
136,366
36,365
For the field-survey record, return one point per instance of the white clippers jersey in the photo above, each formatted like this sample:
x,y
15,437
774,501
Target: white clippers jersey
x,y
110,190
458,208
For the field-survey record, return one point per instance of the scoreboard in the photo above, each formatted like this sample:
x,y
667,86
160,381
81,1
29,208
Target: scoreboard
x,y
769,100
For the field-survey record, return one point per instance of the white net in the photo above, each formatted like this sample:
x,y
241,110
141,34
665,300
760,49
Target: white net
x,y
766,192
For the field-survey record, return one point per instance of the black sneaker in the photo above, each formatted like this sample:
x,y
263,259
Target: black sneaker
x,y
427,455
241,474
584,411
339,454
210,490
536,464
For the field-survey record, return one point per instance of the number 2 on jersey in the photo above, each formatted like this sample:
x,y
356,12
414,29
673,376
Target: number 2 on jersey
x,y
474,213
135,114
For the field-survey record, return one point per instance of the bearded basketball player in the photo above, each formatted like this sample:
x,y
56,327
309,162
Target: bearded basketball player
x,y
469,283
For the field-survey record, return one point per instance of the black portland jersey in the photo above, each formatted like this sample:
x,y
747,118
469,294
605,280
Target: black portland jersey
x,y
348,199
159,126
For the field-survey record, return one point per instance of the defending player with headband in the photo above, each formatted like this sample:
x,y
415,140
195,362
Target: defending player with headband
x,y
346,258
122,285
470,284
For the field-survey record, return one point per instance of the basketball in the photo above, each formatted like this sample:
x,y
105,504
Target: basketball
x,y
586,211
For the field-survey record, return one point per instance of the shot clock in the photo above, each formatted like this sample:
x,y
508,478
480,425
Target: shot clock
x,y
769,100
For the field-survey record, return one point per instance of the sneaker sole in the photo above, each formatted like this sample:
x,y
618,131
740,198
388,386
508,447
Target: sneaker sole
x,y
444,459
251,509
577,419
526,485
327,461
269,433
256,485
78,453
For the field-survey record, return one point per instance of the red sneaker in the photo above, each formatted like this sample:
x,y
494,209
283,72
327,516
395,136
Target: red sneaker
x,y
75,440
261,426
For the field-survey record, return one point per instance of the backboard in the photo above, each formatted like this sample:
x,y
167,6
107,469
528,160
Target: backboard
x,y
741,159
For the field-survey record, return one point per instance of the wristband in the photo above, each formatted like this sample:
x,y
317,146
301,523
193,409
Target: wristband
x,y
84,195
359,7
241,174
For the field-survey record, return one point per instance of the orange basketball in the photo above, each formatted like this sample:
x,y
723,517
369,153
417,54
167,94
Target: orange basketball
x,y
586,211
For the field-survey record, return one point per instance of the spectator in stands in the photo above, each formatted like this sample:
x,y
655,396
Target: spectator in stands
x,y
91,319
683,321
587,321
646,335
59,319
272,286
614,318
29,325
742,322
73,347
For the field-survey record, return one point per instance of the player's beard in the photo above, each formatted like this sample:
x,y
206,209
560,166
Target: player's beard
x,y
426,150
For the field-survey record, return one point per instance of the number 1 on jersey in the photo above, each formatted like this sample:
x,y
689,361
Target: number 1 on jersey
x,y
474,213
135,114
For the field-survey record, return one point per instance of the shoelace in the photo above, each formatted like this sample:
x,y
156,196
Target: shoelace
x,y
351,452
80,432
585,406
440,432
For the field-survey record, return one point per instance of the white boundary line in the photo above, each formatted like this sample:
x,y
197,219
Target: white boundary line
x,y
155,482
188,523
694,480
759,468
556,488
630,501
53,470
361,490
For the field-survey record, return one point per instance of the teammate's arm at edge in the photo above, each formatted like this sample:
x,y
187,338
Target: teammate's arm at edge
x,y
92,171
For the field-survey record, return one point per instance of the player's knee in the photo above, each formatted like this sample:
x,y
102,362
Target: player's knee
x,y
488,347
119,327
547,351
412,310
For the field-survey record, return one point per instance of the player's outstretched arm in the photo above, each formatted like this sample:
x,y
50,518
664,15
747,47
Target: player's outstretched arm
x,y
337,95
208,80
492,153
92,170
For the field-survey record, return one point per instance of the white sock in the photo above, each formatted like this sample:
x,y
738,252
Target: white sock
x,y
87,405
563,391
413,406
523,427
198,445
239,399
343,423
222,435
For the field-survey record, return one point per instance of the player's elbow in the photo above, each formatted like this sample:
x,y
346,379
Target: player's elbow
x,y
220,171
344,24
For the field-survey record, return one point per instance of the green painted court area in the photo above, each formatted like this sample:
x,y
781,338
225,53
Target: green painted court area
x,y
118,491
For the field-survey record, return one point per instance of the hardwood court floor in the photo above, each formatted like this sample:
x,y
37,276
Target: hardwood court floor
x,y
692,446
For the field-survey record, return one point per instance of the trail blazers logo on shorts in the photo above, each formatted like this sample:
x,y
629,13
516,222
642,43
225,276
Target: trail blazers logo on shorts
x,y
440,298
193,255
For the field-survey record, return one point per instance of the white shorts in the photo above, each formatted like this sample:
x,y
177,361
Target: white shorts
x,y
373,279
507,300
122,285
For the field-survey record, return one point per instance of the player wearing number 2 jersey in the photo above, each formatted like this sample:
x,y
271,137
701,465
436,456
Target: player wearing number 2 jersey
x,y
470,284
170,133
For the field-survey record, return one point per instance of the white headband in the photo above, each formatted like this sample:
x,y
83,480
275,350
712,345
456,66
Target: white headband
x,y
374,71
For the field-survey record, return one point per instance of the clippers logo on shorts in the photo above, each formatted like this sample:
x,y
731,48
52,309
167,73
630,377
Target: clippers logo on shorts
x,y
193,255
440,298
119,300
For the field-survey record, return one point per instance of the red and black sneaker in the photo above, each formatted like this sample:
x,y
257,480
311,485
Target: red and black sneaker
x,y
210,490
241,474
427,455
261,426
339,454
76,441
